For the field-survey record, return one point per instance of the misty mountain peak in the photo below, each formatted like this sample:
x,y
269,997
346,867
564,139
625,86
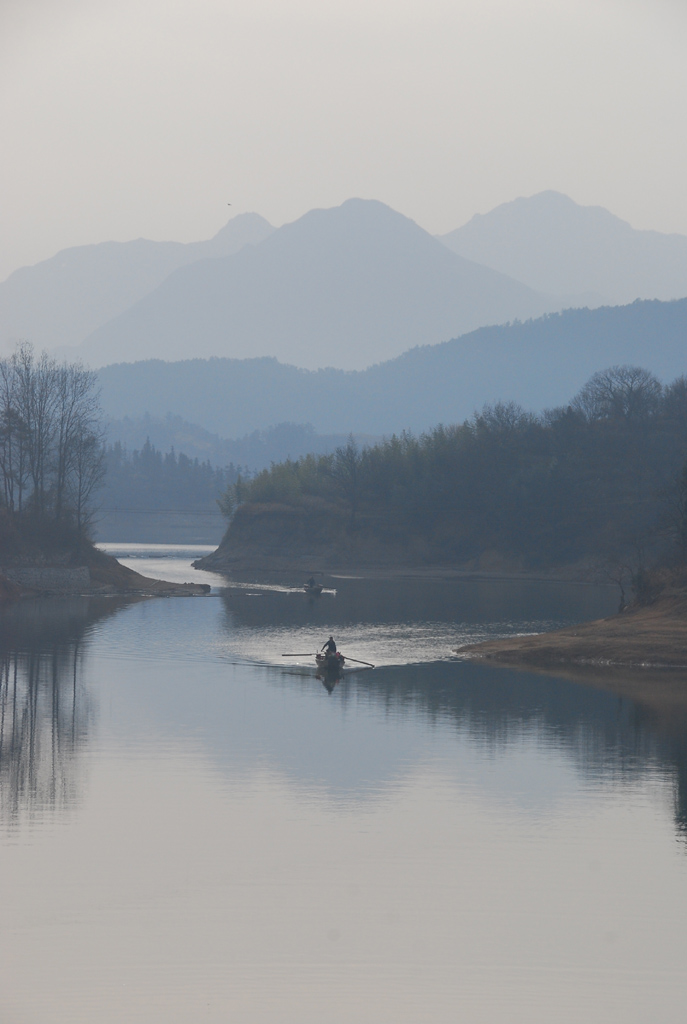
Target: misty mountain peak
x,y
366,222
61,300
553,244
345,287
243,229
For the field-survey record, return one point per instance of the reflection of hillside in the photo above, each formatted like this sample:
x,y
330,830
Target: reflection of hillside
x,y
39,625
605,734
421,600
45,710
495,706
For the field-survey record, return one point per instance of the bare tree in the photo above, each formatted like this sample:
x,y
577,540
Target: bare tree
x,y
504,417
51,457
621,572
36,393
87,471
620,392
12,447
77,407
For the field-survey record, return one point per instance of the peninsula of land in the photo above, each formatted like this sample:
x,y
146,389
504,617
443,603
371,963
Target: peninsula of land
x,y
653,636
87,572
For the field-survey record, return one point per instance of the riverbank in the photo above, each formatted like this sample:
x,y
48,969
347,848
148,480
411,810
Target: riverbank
x,y
295,574
100,575
280,541
110,576
40,556
654,636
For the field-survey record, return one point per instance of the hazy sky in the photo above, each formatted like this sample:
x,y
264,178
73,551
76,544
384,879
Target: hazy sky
x,y
132,118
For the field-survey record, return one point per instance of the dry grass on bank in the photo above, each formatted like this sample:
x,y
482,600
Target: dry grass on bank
x,y
646,637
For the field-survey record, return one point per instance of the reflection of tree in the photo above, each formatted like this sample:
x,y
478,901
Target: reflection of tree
x,y
45,709
604,734
681,796
393,601
43,722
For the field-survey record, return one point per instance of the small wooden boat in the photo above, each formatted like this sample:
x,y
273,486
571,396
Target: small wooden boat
x,y
331,663
330,669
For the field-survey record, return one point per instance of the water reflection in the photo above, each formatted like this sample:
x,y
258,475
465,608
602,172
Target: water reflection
x,y
396,622
607,735
46,708
377,726
330,678
431,841
374,600
47,696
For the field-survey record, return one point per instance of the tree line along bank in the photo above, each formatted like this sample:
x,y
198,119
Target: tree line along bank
x,y
600,480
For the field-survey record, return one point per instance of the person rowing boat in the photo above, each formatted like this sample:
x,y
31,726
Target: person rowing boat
x,y
329,658
330,664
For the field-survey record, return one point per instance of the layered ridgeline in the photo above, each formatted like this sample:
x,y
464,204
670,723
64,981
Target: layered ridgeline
x,y
595,482
252,451
343,287
538,364
62,300
554,245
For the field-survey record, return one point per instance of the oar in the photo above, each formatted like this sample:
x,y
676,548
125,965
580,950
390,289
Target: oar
x,y
310,655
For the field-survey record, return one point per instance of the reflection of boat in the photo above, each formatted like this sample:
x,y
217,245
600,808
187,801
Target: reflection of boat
x,y
331,662
313,589
330,669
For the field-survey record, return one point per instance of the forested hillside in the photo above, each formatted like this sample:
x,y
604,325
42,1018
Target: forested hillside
x,y
149,495
538,364
255,450
597,480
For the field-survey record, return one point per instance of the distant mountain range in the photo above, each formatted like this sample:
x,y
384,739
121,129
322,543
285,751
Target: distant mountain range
x,y
539,364
60,301
255,450
553,245
345,287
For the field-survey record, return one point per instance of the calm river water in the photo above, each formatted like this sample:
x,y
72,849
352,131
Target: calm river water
x,y
192,829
